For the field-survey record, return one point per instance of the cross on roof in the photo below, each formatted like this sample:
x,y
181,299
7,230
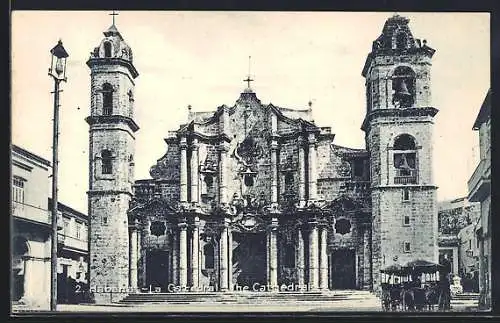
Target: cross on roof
x,y
113,14
248,79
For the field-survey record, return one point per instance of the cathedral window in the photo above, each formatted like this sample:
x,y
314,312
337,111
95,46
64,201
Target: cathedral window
x,y
208,251
342,226
107,99
406,246
406,220
358,168
107,166
248,180
406,195
403,86
405,163
107,49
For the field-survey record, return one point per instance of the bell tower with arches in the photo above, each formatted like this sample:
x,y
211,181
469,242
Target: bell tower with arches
x,y
111,165
398,130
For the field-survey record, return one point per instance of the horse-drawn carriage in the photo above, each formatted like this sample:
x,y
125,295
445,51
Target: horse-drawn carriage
x,y
416,286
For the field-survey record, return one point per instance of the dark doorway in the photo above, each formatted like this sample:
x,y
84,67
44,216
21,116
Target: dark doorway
x,y
157,270
249,259
343,269
20,249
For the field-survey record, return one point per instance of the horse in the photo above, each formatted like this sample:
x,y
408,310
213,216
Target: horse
x,y
431,296
408,298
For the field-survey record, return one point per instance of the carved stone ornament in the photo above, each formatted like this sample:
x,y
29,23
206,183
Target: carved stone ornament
x,y
248,151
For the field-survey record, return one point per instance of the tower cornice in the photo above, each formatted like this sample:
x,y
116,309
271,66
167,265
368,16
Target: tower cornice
x,y
398,113
113,61
113,119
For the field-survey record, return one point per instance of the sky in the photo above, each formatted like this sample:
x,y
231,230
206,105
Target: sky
x,y
201,58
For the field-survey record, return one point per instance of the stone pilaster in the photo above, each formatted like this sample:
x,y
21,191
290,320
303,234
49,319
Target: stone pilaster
x,y
313,257
274,172
312,170
194,171
175,258
223,149
183,170
300,262
223,259
133,257
302,170
367,257
230,258
195,253
273,254
323,259
183,264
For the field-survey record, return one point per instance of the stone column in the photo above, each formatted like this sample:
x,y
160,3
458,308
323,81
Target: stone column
x,y
194,170
29,278
223,259
223,149
183,266
323,264
313,257
195,253
367,274
302,170
175,258
274,172
183,170
230,258
300,258
133,257
273,254
312,171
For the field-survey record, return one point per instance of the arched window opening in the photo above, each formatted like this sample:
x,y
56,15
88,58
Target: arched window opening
x,y
249,180
289,257
107,99
107,49
404,142
403,85
208,251
405,160
107,166
401,40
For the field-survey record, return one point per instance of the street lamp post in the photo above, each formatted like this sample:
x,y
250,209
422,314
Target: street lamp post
x,y
57,71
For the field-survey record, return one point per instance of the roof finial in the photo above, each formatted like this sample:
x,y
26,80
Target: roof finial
x,y
248,79
113,14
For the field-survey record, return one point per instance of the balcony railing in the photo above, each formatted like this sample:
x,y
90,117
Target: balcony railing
x,y
406,176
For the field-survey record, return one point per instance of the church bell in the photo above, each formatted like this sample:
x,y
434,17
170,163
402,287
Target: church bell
x,y
403,92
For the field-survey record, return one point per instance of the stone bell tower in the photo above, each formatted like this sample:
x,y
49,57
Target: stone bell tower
x,y
398,131
111,160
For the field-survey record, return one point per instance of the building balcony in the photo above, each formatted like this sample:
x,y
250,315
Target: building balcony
x,y
405,177
479,183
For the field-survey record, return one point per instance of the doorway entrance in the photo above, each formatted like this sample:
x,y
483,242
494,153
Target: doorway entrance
x,y
343,269
249,259
157,269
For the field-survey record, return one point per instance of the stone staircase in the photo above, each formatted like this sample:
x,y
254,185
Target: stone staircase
x,y
465,300
248,297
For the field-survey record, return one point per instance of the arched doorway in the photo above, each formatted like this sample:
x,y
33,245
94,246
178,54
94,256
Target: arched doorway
x,y
20,249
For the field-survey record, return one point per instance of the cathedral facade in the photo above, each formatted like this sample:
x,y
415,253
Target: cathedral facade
x,y
258,197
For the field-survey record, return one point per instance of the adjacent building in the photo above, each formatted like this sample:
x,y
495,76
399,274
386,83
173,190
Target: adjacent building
x,y
31,234
255,195
457,239
480,191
